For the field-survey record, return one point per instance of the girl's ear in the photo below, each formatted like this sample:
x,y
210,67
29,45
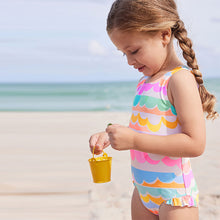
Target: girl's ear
x,y
166,36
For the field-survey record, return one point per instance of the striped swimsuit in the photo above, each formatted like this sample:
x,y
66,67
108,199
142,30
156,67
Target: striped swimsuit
x,y
159,178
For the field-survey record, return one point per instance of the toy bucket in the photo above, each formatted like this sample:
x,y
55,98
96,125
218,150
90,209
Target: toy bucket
x,y
101,168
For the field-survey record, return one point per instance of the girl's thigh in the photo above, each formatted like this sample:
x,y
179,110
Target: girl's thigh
x,y
168,212
138,211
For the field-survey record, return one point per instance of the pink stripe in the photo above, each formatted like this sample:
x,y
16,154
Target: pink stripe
x,y
143,88
164,91
148,86
132,154
157,87
188,179
170,162
186,167
142,157
191,202
149,160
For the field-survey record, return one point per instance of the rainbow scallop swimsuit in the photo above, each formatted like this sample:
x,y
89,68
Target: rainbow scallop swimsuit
x,y
159,178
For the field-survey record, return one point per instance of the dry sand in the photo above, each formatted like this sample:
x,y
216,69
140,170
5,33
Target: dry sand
x,y
45,172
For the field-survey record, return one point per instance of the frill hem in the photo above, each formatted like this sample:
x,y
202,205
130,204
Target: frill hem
x,y
184,201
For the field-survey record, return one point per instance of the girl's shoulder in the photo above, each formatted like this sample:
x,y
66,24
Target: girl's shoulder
x,y
177,70
182,76
164,80
181,83
179,75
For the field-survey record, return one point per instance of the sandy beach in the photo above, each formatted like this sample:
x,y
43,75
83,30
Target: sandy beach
x,y
45,172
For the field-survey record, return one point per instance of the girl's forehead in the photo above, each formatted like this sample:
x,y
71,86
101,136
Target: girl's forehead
x,y
120,33
123,39
129,35
121,36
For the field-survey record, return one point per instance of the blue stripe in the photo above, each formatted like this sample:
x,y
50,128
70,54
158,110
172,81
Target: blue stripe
x,y
166,193
150,205
150,177
173,110
152,102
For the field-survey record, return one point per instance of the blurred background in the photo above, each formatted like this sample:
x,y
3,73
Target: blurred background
x,y
55,55
58,70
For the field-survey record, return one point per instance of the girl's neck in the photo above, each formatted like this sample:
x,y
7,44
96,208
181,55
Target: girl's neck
x,y
172,61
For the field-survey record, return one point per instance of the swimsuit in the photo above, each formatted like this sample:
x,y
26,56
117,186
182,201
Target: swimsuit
x,y
160,178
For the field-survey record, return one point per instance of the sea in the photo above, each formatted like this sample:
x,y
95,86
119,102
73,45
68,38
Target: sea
x,y
68,97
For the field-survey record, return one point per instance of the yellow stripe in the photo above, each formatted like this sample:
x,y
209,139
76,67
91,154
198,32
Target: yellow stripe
x,y
197,198
145,198
160,184
148,197
152,127
169,124
177,202
176,70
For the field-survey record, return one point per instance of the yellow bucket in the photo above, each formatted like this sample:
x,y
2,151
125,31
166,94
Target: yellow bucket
x,y
101,168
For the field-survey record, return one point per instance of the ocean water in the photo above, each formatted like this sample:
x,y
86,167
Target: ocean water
x,y
109,96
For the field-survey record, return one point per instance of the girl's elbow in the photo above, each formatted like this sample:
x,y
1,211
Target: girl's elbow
x,y
199,150
198,153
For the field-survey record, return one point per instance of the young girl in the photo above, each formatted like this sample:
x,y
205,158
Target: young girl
x,y
167,125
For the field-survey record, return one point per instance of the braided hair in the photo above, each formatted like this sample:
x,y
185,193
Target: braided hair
x,y
208,99
156,15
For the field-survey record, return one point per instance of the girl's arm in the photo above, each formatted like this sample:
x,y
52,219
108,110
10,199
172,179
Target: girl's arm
x,y
184,95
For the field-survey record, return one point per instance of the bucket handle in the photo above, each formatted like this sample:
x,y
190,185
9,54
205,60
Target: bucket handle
x,y
104,154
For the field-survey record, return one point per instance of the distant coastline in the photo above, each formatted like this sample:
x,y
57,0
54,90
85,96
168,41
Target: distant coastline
x,y
76,96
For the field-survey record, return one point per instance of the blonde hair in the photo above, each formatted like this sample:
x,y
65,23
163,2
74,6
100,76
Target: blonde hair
x,y
155,15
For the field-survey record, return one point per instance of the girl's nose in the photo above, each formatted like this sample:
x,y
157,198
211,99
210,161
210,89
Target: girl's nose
x,y
130,60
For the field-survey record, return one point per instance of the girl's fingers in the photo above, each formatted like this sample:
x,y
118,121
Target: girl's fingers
x,y
100,144
106,144
111,127
92,141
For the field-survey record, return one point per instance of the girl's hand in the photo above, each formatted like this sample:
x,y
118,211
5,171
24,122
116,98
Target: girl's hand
x,y
99,141
120,137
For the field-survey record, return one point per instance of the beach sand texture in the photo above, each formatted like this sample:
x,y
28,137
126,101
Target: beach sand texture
x,y
45,172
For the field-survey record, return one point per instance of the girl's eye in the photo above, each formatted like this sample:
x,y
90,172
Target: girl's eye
x,y
134,52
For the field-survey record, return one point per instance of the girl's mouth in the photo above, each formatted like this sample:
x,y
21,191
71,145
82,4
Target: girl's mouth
x,y
141,69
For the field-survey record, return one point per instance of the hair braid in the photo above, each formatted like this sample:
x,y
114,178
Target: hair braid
x,y
208,100
157,15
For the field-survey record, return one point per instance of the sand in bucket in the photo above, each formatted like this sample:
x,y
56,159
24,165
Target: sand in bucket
x,y
101,168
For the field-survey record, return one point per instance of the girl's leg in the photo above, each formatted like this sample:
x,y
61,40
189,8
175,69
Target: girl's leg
x,y
168,212
138,211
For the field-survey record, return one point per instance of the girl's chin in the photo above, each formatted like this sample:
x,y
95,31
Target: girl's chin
x,y
147,73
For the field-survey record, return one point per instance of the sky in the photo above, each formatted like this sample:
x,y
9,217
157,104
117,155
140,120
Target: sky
x,y
66,40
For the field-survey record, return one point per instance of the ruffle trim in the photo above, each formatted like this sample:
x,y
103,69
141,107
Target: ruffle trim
x,y
184,201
